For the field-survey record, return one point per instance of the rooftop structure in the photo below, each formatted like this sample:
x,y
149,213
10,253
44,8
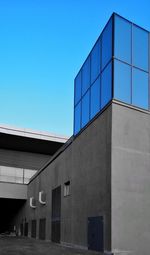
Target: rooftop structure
x,y
116,68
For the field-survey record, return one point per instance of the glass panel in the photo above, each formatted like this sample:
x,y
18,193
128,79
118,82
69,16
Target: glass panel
x,y
26,180
140,88
86,76
7,171
107,44
7,174
140,48
106,85
122,44
95,98
15,175
77,118
85,108
78,88
28,174
122,82
18,172
19,175
95,61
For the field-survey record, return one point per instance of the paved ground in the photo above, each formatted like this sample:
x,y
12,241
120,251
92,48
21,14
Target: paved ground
x,y
26,246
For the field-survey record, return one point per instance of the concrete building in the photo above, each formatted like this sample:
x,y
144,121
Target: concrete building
x,y
94,191
22,153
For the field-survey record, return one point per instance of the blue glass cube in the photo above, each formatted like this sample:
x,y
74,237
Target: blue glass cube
x,y
117,67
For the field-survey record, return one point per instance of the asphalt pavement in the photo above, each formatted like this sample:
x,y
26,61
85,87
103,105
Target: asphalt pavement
x,y
11,245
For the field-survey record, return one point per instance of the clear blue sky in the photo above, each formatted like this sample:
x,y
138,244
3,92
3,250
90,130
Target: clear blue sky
x,y
43,43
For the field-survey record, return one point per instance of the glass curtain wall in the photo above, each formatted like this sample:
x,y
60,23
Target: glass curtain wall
x,y
117,67
16,175
131,63
93,84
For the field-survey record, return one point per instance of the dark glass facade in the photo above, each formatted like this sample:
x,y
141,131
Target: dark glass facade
x,y
116,68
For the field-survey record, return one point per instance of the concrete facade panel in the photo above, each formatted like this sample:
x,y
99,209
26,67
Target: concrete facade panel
x,y
86,164
130,180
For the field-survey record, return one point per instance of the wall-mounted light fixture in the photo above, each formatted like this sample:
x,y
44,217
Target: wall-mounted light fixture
x,y
32,202
42,197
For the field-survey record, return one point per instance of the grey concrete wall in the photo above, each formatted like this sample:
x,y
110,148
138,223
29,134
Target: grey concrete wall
x,y
86,163
130,180
13,190
22,159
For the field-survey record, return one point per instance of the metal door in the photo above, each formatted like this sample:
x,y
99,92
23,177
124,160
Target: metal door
x,y
33,228
42,229
26,229
96,233
56,214
21,229
56,231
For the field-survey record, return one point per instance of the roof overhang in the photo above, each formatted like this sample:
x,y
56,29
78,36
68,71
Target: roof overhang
x,y
30,140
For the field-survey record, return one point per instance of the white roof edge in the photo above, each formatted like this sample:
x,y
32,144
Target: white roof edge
x,y
30,133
